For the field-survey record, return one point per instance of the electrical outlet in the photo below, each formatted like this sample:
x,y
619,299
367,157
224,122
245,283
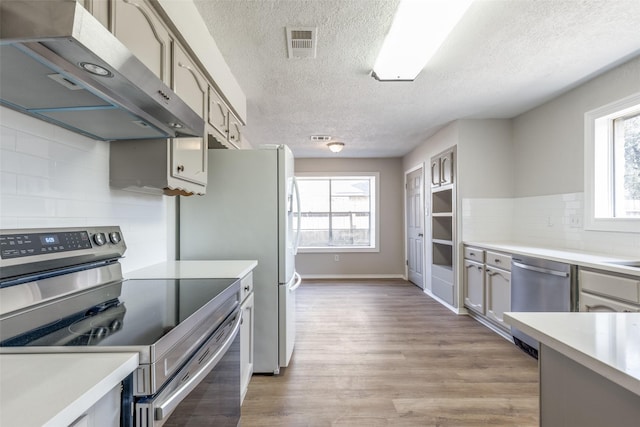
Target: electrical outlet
x,y
575,221
336,258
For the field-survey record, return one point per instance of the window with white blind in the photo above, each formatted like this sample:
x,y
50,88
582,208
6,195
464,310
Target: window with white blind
x,y
338,213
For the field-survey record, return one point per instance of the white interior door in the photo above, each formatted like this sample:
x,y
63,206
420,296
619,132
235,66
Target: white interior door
x,y
415,227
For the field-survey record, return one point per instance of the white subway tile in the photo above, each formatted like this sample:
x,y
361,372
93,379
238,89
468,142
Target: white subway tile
x,y
7,139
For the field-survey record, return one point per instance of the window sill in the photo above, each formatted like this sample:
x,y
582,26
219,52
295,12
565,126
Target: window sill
x,y
337,249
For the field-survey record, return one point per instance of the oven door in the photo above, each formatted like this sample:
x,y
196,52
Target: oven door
x,y
206,391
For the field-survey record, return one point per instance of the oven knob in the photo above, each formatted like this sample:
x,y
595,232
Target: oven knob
x,y
115,325
115,238
99,239
101,332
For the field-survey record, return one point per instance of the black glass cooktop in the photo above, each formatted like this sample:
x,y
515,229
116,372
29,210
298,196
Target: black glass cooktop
x,y
137,313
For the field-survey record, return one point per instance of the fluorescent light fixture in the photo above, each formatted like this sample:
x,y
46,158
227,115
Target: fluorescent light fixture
x,y
336,147
418,29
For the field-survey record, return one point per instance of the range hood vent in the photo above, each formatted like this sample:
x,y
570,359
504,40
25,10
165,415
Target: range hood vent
x,y
60,64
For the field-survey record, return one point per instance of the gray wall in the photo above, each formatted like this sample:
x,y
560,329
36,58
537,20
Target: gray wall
x,y
549,140
389,262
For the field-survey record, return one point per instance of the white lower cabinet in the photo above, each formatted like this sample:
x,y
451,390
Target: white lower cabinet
x,y
104,413
487,284
474,286
246,334
608,292
498,296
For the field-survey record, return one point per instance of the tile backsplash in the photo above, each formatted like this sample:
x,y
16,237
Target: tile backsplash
x,y
554,221
50,177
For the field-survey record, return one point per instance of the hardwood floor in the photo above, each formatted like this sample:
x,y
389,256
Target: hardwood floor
x,y
382,353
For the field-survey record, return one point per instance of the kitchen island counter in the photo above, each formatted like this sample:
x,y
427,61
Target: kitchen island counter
x,y
589,366
57,389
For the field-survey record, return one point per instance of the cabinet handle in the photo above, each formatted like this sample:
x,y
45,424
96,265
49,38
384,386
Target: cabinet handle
x,y
180,168
479,268
420,235
246,288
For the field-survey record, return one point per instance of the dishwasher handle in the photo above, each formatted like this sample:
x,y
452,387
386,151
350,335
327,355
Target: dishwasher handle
x,y
540,270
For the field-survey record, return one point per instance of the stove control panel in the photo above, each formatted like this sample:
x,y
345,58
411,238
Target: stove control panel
x,y
27,244
60,242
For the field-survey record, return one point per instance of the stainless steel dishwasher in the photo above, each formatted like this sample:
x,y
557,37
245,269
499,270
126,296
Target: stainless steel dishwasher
x,y
540,285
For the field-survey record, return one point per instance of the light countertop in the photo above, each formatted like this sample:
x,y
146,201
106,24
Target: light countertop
x,y
580,258
56,389
195,269
606,343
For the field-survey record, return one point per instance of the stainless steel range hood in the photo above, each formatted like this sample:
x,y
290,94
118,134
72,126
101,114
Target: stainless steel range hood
x,y
59,64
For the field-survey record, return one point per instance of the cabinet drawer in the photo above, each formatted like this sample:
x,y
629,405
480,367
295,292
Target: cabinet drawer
x,y
623,288
499,260
594,303
246,286
474,254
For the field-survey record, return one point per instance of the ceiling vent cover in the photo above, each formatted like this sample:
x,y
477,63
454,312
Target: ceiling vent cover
x,y
301,42
320,138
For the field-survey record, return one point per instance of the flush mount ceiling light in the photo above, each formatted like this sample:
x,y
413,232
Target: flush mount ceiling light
x,y
336,147
418,29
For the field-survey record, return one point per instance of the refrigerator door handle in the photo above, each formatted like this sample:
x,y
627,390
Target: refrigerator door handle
x,y
299,214
298,282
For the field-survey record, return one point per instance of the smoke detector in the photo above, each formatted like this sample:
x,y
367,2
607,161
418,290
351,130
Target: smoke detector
x,y
321,138
301,42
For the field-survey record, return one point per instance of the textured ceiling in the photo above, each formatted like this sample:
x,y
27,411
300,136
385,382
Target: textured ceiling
x,y
503,58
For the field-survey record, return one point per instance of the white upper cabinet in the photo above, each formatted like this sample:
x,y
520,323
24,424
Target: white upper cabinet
x,y
223,126
188,82
139,28
442,171
218,113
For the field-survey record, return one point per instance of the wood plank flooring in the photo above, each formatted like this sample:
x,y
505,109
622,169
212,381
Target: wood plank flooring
x,y
382,353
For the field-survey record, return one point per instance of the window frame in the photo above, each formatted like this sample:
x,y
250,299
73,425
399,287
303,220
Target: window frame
x,y
375,213
598,143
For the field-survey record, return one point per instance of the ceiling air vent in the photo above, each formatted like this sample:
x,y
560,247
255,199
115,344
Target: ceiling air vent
x,y
301,42
320,138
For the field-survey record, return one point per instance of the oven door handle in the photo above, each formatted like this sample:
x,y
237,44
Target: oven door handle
x,y
166,406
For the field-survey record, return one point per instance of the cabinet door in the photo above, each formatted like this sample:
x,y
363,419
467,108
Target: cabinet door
x,y
246,344
189,83
99,9
474,286
218,113
235,133
137,26
446,168
189,159
498,298
435,172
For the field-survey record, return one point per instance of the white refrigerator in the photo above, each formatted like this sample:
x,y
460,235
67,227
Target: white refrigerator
x,y
248,213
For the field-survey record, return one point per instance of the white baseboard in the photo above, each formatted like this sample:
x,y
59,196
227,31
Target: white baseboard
x,y
446,304
352,276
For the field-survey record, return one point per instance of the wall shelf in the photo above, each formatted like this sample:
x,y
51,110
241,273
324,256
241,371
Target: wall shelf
x,y
443,205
